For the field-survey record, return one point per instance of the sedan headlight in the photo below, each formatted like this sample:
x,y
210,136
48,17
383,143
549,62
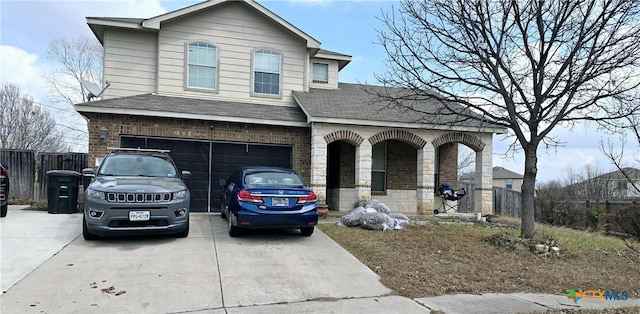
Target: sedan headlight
x,y
180,195
93,194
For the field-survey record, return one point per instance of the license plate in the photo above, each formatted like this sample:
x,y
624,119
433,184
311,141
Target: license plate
x,y
139,215
280,201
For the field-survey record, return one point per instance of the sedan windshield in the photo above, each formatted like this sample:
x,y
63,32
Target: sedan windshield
x,y
273,178
138,165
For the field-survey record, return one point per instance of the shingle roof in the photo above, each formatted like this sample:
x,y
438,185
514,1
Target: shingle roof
x,y
617,175
150,102
359,102
329,52
119,19
502,173
497,173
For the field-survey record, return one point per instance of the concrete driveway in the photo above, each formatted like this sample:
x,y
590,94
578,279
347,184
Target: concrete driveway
x,y
48,268
208,272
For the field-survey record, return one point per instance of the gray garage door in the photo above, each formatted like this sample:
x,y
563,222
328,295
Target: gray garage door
x,y
211,161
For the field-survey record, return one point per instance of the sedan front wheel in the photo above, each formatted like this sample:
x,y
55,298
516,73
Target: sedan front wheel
x,y
233,230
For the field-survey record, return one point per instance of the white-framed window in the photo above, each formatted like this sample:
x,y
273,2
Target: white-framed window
x,y
202,65
508,184
320,73
379,167
267,67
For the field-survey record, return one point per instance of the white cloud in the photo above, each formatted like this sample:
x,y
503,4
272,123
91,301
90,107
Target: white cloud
x,y
22,68
313,3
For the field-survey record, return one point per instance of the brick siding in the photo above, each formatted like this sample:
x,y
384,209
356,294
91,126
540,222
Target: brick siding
x,y
299,138
448,164
402,160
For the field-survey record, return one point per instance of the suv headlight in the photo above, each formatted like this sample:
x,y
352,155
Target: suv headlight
x,y
180,195
93,194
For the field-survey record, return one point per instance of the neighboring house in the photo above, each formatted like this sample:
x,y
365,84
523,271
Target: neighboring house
x,y
224,84
502,178
615,184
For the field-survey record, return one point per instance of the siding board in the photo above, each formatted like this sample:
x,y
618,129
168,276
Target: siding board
x,y
130,62
236,30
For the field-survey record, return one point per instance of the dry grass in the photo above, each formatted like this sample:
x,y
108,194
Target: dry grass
x,y
449,258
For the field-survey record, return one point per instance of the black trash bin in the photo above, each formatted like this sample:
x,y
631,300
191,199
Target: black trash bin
x,y
62,191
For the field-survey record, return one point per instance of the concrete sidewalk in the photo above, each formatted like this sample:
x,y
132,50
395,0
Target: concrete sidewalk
x,y
48,267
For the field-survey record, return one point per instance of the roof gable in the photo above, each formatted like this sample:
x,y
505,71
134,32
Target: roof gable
x,y
97,24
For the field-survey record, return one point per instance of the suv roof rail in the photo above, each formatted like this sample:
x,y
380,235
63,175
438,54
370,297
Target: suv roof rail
x,y
119,149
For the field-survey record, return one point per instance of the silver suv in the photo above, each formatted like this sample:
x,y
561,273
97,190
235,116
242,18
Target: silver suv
x,y
136,191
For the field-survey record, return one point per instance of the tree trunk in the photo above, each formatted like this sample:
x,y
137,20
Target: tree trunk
x,y
528,190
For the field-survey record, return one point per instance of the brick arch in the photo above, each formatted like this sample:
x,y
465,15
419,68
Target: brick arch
x,y
470,140
402,135
344,135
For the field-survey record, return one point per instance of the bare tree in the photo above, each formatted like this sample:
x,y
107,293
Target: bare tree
x,y
79,58
529,66
25,125
615,154
592,183
466,159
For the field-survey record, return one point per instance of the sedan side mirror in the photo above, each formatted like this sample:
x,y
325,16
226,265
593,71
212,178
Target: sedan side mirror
x,y
186,175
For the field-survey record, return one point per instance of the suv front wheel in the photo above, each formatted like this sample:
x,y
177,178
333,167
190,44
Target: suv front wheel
x,y
184,233
86,234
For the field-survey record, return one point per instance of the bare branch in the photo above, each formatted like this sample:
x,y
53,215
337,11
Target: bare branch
x,y
25,125
79,58
529,66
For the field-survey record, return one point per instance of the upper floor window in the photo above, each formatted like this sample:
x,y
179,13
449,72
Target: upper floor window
x,y
508,184
202,65
320,73
379,167
266,72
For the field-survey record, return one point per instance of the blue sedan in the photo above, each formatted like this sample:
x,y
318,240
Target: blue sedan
x,y
267,197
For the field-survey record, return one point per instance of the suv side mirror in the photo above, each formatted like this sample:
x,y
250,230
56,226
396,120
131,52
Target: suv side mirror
x,y
222,182
88,172
186,175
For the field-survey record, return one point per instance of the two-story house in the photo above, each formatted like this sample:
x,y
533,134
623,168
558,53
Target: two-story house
x,y
622,183
224,84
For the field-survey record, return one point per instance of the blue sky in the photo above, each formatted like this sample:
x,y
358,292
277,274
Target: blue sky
x,y
347,27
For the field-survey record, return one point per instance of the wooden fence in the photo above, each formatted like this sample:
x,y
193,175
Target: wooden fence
x,y
28,173
22,165
613,215
505,202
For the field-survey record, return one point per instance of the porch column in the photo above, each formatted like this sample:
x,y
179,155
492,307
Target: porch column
x,y
483,191
319,167
363,173
425,184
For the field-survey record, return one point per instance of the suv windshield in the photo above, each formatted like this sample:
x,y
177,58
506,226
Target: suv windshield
x,y
138,165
